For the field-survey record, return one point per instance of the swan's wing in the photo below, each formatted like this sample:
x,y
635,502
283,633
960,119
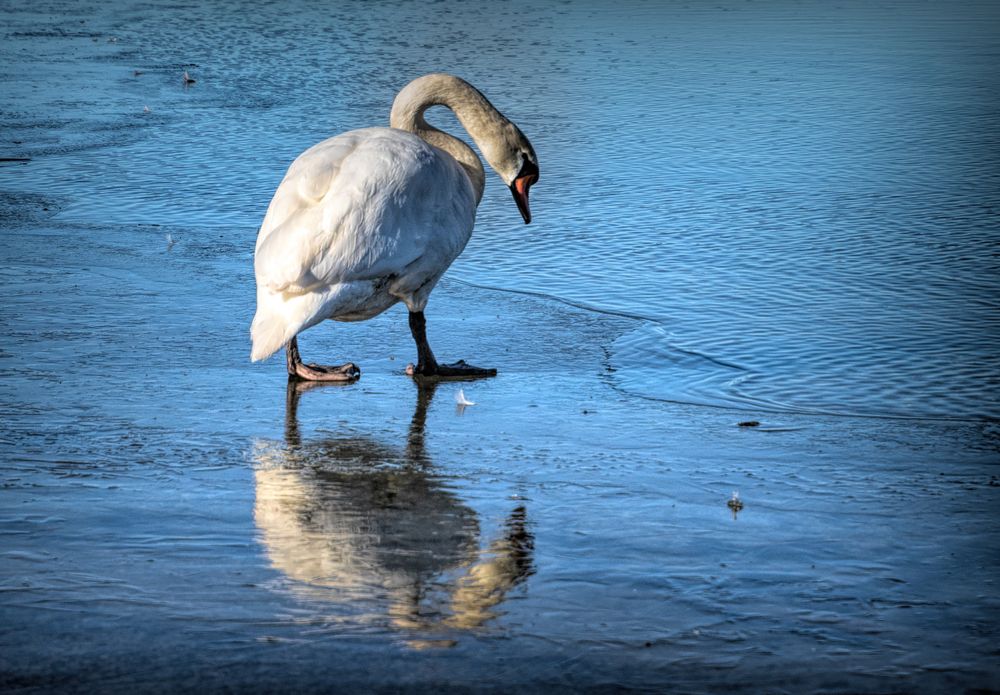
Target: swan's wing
x,y
364,205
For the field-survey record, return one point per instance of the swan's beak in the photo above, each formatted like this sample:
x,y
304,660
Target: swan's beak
x,y
525,179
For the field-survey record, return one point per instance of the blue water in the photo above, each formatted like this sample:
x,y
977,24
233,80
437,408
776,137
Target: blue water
x,y
787,210
801,199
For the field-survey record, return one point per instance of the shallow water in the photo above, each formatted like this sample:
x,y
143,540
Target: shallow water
x,y
802,200
744,194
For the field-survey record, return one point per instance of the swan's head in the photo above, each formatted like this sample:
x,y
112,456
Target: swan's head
x,y
501,142
514,159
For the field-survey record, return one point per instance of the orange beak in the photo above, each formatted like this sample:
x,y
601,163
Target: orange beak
x,y
525,179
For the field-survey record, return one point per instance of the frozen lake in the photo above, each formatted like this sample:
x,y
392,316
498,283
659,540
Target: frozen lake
x,y
773,212
802,201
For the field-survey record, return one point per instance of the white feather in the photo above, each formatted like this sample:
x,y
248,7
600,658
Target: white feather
x,y
460,399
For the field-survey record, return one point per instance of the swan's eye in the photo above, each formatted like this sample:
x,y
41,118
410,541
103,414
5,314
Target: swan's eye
x,y
528,168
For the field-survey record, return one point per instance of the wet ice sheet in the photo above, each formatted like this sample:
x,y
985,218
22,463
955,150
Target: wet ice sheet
x,y
190,520
172,516
802,199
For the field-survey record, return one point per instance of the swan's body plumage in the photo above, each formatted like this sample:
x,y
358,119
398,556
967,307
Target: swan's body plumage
x,y
372,217
361,221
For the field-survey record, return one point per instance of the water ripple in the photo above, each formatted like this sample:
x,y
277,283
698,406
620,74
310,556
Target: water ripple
x,y
807,201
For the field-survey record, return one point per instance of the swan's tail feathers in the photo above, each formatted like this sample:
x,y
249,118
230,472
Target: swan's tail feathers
x,y
269,334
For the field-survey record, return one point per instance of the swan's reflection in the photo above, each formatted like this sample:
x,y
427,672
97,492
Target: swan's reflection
x,y
352,519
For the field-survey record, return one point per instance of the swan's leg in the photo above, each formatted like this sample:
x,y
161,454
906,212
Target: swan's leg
x,y
427,365
315,372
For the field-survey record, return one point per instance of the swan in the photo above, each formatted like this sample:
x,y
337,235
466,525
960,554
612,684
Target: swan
x,y
375,216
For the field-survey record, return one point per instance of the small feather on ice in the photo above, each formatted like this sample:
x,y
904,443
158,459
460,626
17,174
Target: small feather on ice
x,y
460,398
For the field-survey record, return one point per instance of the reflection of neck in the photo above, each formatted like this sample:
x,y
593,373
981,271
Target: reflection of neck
x,y
507,562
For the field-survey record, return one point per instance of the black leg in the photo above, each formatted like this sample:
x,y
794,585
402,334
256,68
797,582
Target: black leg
x,y
427,366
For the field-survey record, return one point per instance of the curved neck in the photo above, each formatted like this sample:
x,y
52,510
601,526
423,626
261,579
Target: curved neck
x,y
474,112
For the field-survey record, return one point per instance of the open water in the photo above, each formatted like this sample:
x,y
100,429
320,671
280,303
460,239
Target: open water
x,y
785,211
801,198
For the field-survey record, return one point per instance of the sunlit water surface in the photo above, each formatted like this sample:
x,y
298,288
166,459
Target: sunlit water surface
x,y
788,210
803,200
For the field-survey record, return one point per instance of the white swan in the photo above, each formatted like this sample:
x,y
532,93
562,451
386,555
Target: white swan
x,y
375,216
